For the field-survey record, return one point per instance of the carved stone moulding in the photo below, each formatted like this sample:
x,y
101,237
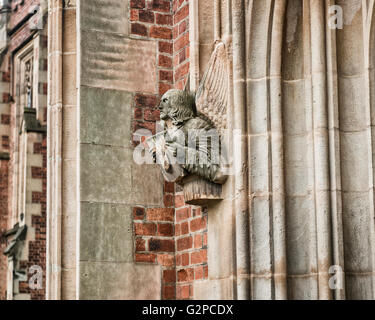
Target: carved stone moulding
x,y
200,192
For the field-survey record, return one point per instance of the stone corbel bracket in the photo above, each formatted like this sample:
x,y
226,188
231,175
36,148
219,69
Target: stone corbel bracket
x,y
200,192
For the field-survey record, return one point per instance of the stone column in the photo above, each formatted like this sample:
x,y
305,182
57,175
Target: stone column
x,y
356,145
54,146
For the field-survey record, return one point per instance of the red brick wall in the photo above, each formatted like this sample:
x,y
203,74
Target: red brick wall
x,y
3,224
191,246
154,227
37,248
174,236
153,19
181,52
154,240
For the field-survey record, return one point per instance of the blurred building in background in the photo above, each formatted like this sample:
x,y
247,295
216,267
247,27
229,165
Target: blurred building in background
x,y
23,111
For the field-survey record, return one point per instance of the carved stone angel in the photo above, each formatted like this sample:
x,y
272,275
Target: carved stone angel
x,y
191,142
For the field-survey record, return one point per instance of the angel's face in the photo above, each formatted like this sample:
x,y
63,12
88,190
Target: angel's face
x,y
165,105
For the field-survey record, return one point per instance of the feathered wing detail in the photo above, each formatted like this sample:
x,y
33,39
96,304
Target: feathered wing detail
x,y
212,95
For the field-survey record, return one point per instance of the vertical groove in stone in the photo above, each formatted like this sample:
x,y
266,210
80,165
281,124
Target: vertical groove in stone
x,y
194,44
54,151
217,19
240,150
69,127
311,240
369,56
226,25
259,146
334,155
298,151
321,155
277,154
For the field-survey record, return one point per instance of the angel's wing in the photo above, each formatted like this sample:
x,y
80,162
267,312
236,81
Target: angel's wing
x,y
212,95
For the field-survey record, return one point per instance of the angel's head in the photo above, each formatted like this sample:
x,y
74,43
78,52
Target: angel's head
x,y
177,105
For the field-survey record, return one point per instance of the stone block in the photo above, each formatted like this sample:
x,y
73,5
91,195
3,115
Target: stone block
x,y
105,174
260,236
352,103
68,240
259,163
359,286
105,16
222,289
357,232
354,161
113,61
350,46
69,79
69,35
300,237
119,281
294,107
147,185
55,83
106,232
221,233
257,105
261,288
69,133
68,284
259,23
321,159
69,185
206,21
205,53
298,175
293,50
276,118
105,117
303,288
